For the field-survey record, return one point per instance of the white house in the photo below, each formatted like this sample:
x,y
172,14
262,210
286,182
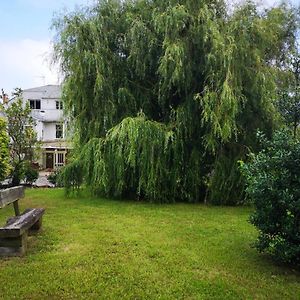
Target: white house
x,y
47,110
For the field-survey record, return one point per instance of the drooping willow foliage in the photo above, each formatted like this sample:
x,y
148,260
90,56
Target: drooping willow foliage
x,y
140,157
166,96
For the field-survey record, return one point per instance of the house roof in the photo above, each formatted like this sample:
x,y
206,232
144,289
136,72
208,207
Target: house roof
x,y
45,91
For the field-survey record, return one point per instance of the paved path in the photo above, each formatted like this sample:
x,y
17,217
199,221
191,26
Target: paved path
x,y
43,181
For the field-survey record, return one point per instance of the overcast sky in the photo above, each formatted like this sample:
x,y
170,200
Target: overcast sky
x,y
25,40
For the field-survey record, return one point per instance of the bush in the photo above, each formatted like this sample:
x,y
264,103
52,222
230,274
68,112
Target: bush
x,y
54,178
31,174
273,184
4,151
18,173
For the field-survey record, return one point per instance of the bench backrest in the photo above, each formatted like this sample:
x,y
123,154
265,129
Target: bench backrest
x,y
10,195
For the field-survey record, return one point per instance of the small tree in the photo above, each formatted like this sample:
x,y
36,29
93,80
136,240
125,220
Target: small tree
x,y
4,151
273,184
23,138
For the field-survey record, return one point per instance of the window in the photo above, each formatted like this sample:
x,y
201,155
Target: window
x,y
59,131
59,105
35,104
59,159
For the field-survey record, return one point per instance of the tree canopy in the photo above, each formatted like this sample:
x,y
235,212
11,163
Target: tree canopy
x,y
289,97
166,96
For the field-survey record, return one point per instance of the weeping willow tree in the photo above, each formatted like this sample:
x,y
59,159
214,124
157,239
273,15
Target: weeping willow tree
x,y
166,96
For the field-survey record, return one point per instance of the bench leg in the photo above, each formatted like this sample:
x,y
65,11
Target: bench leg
x,y
13,246
35,227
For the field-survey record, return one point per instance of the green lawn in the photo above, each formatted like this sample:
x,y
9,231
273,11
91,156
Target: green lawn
x,y
103,249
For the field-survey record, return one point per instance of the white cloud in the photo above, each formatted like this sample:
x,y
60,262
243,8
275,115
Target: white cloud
x,y
25,64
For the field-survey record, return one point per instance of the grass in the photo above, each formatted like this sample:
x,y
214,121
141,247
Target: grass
x,y
106,249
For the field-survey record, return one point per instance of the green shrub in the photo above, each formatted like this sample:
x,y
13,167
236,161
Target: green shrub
x,y
31,174
18,173
273,184
54,178
4,151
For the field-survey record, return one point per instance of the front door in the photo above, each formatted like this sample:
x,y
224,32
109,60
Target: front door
x,y
49,160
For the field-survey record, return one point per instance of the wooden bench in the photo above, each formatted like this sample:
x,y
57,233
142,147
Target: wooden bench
x,y
13,236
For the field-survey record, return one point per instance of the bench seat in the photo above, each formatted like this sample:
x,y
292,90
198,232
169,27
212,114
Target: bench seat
x,y
13,236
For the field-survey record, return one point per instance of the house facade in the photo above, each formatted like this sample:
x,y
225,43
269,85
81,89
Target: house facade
x,y
47,111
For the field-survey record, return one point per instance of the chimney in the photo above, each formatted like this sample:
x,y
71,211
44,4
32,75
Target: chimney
x,y
4,97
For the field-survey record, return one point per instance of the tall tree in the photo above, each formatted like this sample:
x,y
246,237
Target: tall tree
x,y
166,96
289,95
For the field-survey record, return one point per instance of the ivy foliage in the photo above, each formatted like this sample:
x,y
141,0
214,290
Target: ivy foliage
x,y
165,96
